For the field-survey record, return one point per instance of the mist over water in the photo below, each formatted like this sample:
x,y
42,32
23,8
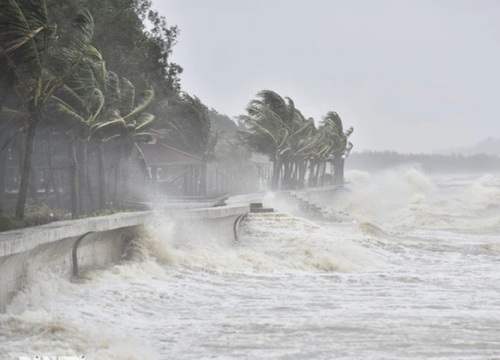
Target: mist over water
x,y
402,266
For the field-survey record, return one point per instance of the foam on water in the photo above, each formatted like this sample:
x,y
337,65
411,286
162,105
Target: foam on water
x,y
413,273
51,317
406,198
285,242
381,197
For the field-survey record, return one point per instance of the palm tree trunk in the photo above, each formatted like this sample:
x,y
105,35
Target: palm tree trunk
x,y
53,185
118,176
317,173
125,179
3,174
27,165
90,193
302,174
284,184
73,176
203,178
33,188
275,182
338,171
52,178
287,174
82,175
312,172
308,171
323,172
102,175
294,174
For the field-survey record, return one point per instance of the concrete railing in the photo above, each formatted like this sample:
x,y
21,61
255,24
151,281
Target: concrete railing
x,y
61,247
21,240
69,247
217,222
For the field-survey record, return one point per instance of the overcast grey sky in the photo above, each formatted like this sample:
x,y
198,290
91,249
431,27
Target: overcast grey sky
x,y
409,75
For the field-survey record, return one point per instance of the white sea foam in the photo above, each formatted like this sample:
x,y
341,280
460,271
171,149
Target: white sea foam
x,y
386,194
270,242
407,198
281,241
415,276
52,317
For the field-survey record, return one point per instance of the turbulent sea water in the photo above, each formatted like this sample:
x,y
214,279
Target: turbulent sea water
x,y
403,266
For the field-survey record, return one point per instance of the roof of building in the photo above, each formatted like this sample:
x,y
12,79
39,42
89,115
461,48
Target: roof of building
x,y
163,155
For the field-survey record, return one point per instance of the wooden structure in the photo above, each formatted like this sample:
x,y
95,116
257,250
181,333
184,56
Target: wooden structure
x,y
173,172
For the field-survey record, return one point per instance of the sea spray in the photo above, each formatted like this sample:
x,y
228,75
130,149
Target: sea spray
x,y
407,198
380,197
267,242
51,316
288,288
484,193
288,242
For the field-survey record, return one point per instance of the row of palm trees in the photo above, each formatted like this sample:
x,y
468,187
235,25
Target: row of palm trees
x,y
59,78
273,126
56,78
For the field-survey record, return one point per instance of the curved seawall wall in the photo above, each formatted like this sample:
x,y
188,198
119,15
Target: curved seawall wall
x,y
70,247
217,222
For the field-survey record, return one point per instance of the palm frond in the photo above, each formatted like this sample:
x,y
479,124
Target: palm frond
x,y
145,120
148,97
24,36
118,125
69,113
127,97
334,118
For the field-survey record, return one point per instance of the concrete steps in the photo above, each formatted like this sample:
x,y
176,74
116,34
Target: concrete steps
x,y
258,208
303,205
257,225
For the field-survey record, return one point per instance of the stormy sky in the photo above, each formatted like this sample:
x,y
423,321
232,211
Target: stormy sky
x,y
409,75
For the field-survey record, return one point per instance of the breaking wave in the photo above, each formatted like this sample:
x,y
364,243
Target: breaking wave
x,y
177,298
407,198
267,242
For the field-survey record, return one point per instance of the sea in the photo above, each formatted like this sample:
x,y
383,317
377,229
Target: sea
x,y
399,265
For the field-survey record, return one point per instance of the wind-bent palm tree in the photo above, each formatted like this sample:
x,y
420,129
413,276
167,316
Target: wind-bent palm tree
x,y
37,62
301,142
189,125
79,101
125,122
334,127
189,129
276,128
268,124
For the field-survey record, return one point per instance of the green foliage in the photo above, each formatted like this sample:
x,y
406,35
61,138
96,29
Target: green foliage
x,y
43,214
132,50
113,210
9,223
34,215
272,124
38,63
124,82
189,128
36,58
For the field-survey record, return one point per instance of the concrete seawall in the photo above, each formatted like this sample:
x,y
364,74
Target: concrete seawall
x,y
323,196
217,222
70,247
300,201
